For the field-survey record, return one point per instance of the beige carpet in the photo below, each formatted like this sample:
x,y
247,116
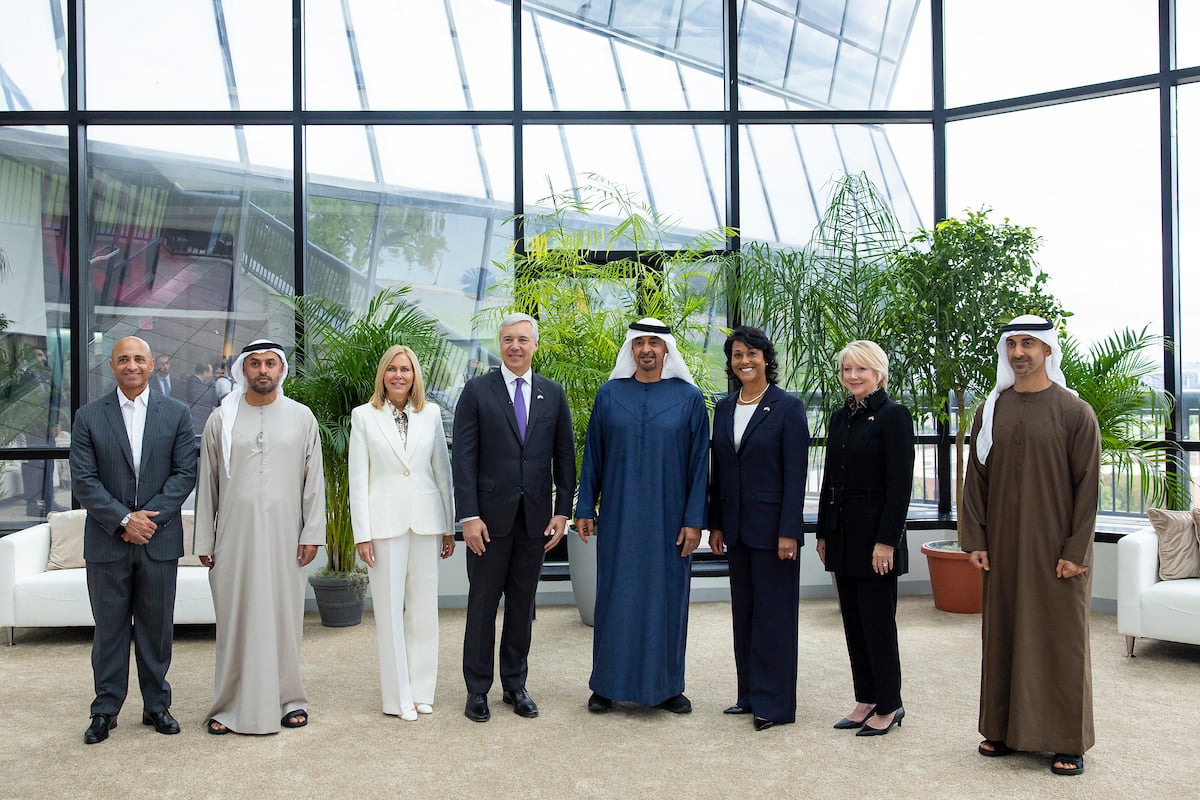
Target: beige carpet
x,y
1143,709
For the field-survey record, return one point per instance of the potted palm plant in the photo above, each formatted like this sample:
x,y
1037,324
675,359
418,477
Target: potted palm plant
x,y
333,373
594,261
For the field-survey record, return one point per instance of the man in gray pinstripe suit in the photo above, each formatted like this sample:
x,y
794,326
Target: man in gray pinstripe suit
x,y
133,463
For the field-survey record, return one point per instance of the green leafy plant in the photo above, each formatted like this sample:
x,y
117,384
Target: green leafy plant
x,y
953,288
815,300
336,372
1111,377
597,259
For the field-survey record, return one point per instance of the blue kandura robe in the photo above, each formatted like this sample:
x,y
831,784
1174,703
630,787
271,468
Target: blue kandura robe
x,y
646,462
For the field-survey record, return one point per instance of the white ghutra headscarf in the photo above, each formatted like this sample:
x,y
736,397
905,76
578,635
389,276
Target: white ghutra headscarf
x,y
673,364
232,401
1026,325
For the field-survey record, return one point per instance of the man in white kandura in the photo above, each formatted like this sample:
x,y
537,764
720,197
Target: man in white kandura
x,y
260,514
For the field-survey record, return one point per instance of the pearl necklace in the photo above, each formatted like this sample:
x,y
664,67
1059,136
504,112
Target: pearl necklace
x,y
744,402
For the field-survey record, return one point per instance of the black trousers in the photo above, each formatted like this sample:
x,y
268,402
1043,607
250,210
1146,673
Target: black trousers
x,y
869,618
132,599
765,595
510,566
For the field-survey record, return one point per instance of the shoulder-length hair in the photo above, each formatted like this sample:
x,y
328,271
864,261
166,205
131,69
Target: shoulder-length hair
x,y
416,395
867,354
755,339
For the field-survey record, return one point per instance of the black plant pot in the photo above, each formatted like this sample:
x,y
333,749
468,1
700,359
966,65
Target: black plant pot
x,y
339,600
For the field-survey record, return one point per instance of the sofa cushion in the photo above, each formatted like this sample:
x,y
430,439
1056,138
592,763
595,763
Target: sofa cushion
x,y
66,539
1178,547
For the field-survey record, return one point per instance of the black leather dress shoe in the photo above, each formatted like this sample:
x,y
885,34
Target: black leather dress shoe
x,y
598,703
162,721
679,704
737,709
477,708
522,703
98,730
761,723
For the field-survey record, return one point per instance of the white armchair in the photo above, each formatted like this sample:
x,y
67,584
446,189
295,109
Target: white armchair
x,y
1147,606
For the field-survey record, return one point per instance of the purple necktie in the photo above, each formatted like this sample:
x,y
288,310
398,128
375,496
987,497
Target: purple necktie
x,y
519,408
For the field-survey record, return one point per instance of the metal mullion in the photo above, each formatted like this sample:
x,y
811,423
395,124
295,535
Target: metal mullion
x,y
1168,125
945,473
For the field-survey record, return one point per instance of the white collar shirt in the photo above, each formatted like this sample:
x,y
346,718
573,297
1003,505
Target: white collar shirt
x,y
510,383
134,413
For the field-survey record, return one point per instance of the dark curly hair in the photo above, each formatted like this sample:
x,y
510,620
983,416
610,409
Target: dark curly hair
x,y
754,339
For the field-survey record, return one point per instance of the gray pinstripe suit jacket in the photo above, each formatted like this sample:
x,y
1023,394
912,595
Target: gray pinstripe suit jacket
x,y
104,482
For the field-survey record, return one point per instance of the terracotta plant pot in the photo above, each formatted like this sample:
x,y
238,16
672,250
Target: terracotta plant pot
x,y
957,585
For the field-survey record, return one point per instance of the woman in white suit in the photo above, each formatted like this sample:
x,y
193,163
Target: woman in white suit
x,y
402,509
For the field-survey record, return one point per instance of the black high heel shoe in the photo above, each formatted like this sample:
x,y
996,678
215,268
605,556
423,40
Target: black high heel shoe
x,y
847,724
761,723
897,721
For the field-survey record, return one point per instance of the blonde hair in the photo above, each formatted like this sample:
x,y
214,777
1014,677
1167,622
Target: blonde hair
x,y
416,395
866,354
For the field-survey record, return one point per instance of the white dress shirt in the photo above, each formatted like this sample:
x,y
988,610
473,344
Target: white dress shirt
x,y
510,383
134,412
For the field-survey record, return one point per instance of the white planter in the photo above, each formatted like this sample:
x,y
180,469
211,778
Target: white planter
x,y
581,559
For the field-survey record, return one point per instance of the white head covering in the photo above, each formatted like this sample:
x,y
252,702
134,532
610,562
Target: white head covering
x,y
1026,325
673,364
232,401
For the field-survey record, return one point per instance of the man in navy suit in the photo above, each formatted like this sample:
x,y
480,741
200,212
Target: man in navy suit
x,y
133,463
514,484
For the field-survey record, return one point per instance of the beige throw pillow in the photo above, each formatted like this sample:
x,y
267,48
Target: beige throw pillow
x,y
66,539
1178,547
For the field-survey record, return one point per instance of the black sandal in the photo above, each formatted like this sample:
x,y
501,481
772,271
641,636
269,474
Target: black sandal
x,y
221,731
1076,763
287,719
998,748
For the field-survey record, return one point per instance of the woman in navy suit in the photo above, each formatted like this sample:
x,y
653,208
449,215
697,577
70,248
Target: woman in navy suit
x,y
756,515
402,511
860,530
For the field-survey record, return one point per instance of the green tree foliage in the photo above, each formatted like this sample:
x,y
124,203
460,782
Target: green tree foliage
x,y
953,287
336,372
346,229
815,300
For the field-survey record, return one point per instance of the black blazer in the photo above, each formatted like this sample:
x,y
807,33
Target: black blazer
x,y
493,470
104,482
867,486
756,493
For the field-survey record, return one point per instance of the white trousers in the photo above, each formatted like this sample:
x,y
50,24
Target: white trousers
x,y
404,593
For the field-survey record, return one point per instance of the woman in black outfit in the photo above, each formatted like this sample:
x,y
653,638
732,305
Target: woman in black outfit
x,y
756,514
860,530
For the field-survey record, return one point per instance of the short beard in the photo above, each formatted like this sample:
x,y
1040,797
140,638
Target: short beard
x,y
255,387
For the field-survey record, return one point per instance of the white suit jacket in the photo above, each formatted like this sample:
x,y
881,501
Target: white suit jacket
x,y
394,489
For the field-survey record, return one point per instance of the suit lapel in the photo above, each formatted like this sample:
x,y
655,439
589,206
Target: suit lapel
x,y
387,429
115,418
536,400
153,415
760,414
500,390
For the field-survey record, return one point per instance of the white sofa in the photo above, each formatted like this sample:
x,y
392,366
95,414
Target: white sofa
x,y
1147,606
33,597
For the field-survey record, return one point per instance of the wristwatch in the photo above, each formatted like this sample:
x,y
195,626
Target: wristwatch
x,y
125,520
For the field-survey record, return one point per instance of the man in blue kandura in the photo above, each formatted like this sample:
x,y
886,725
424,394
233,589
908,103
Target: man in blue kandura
x,y
645,462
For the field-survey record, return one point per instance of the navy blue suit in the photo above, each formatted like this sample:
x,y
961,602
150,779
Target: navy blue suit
x,y
130,583
756,496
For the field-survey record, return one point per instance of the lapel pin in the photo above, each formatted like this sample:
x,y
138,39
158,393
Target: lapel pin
x,y
539,397
870,419
766,409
